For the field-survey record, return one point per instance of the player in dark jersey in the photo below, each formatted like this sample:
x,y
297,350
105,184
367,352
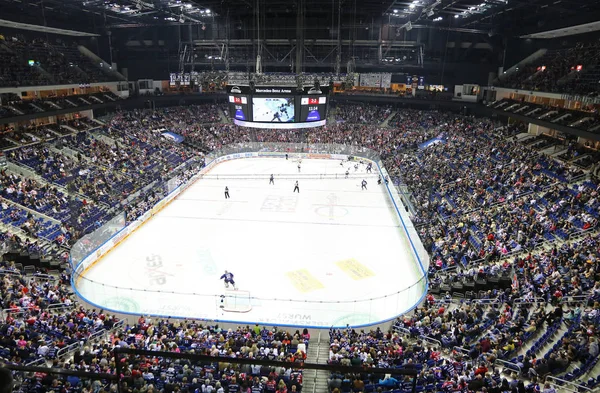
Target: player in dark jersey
x,y
271,180
227,192
228,277
363,185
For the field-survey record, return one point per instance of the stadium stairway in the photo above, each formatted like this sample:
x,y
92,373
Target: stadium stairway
x,y
105,138
387,120
331,115
318,352
224,118
67,151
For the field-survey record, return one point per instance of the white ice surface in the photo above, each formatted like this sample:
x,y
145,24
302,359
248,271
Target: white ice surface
x,y
171,265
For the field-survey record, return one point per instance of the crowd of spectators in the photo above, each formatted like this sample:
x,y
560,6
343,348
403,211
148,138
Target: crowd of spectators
x,y
37,61
568,70
486,205
362,113
453,343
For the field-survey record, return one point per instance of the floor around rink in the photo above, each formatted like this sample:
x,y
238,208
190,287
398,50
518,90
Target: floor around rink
x,y
331,254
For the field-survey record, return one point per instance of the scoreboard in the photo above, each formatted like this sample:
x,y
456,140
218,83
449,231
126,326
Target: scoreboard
x,y
278,107
239,107
313,108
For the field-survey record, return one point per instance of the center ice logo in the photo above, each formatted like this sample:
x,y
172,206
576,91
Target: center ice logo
x,y
154,270
331,209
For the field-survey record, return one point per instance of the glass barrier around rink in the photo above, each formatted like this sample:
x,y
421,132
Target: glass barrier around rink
x,y
243,306
91,243
276,310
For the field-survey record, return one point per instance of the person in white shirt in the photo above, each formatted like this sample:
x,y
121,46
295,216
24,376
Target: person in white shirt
x,y
43,350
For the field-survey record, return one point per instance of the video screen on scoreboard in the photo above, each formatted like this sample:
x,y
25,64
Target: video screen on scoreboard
x,y
238,106
273,109
313,108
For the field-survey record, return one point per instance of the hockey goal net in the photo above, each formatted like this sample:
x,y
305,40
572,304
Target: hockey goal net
x,y
235,301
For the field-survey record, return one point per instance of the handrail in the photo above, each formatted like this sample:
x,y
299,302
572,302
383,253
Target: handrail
x,y
54,306
48,277
10,272
100,333
534,300
13,311
487,301
508,365
317,361
428,339
36,362
19,310
69,348
576,388
576,298
464,351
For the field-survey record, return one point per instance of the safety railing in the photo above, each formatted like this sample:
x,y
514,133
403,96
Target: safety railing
x,y
15,312
509,365
20,311
427,339
576,299
461,350
563,384
47,277
529,300
565,300
317,360
59,306
487,301
5,272
100,334
37,362
67,350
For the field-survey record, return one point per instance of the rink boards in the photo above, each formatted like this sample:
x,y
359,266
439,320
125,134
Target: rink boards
x,y
300,318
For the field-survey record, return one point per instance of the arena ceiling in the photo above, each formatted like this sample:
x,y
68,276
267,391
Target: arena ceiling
x,y
504,17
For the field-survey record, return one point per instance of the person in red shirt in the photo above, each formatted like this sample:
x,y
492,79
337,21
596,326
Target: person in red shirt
x,y
481,370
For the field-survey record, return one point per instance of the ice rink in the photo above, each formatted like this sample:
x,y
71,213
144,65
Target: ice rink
x,y
331,254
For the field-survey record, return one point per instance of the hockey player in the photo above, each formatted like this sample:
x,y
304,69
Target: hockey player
x,y
369,167
228,278
271,180
296,188
227,193
363,185
355,167
276,117
298,167
347,172
379,180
